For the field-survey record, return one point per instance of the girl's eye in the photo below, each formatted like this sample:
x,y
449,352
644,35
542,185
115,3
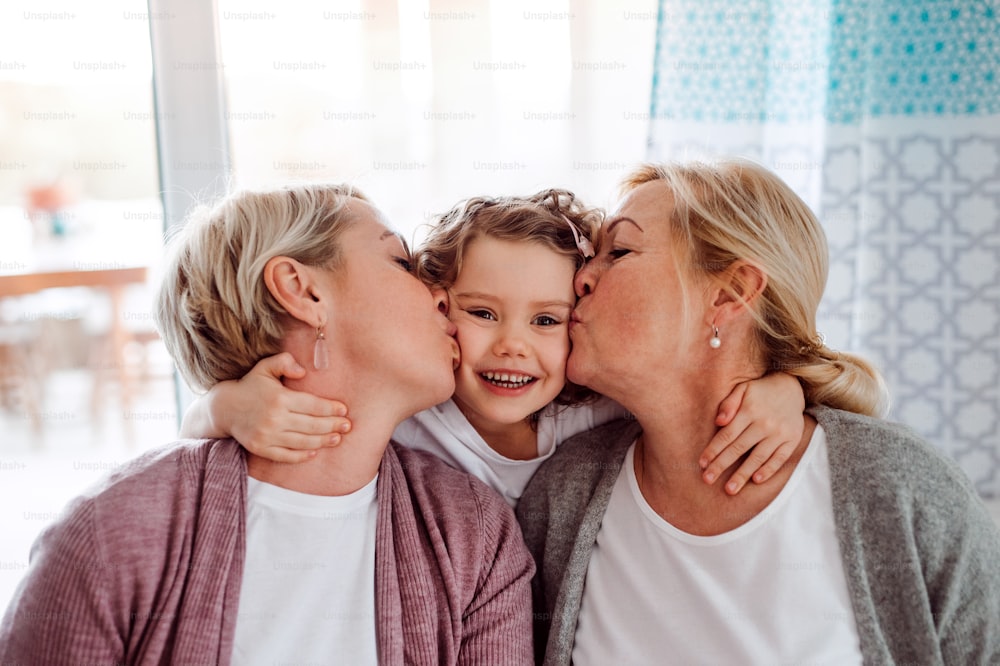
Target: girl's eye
x,y
545,320
405,263
482,314
618,253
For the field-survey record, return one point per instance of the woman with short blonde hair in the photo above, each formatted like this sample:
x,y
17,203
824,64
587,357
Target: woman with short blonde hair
x,y
369,553
214,309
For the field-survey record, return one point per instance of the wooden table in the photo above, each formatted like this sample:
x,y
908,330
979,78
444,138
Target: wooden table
x,y
114,281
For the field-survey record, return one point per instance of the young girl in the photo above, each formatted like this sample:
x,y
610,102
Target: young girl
x,y
507,265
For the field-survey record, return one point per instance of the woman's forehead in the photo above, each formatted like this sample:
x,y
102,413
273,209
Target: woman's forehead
x,y
652,197
362,211
370,221
647,211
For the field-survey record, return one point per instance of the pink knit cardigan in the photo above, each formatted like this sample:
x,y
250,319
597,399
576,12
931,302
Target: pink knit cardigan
x,y
146,568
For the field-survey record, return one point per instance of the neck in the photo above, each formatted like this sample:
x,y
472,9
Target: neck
x,y
677,411
517,441
335,471
352,464
667,470
678,421
673,440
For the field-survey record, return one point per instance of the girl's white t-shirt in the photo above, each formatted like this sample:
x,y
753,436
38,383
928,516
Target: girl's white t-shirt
x,y
308,588
444,431
771,591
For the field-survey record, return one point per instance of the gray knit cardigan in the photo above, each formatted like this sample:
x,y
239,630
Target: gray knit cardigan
x,y
921,553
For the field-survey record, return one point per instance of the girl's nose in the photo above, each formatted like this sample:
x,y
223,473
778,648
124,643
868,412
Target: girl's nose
x,y
510,343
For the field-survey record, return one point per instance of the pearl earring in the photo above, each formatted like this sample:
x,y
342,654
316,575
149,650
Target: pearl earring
x,y
714,342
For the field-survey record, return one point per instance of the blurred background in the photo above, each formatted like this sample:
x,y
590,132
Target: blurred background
x,y
117,116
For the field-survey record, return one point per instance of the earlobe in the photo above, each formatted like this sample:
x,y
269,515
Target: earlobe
x,y
294,286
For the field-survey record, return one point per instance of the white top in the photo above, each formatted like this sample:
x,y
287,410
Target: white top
x,y
444,431
308,592
771,591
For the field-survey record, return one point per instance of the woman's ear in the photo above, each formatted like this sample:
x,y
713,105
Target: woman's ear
x,y
741,284
295,286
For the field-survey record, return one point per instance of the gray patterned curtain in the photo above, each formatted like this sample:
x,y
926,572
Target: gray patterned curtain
x,y
886,118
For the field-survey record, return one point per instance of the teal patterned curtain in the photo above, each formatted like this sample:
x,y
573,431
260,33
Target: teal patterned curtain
x,y
886,118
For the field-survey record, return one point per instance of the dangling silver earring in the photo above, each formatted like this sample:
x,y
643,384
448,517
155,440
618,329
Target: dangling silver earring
x,y
714,342
321,355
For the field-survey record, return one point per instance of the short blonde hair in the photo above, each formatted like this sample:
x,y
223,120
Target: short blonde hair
x,y
213,310
738,210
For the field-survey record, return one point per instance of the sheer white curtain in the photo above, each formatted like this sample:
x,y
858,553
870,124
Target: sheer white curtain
x,y
424,103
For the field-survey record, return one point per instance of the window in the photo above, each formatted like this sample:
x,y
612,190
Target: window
x,y
85,383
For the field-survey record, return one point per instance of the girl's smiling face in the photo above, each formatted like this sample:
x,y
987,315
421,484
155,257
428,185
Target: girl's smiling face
x,y
511,303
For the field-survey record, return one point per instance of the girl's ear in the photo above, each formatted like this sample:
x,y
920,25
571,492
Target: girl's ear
x,y
741,284
296,288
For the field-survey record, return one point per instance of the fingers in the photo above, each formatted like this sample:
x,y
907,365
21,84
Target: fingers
x,y
753,462
761,464
300,425
773,434
774,463
291,432
766,458
281,455
308,404
294,448
727,437
726,448
293,441
729,407
278,366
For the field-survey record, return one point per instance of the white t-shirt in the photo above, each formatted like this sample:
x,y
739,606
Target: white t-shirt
x,y
308,592
771,591
444,431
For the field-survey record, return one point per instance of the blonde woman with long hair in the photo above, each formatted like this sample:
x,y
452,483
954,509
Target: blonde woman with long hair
x,y
867,547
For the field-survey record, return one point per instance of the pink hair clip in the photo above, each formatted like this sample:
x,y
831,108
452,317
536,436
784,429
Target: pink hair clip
x,y
582,242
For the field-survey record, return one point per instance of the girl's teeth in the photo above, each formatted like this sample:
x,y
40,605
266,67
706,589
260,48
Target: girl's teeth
x,y
507,380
